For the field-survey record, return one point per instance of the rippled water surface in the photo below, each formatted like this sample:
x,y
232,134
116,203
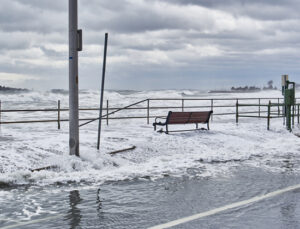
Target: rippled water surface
x,y
145,203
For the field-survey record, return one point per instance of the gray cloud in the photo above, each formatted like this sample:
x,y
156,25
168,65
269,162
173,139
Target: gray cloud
x,y
152,41
258,9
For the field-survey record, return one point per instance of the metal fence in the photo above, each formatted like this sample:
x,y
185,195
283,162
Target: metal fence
x,y
154,107
279,112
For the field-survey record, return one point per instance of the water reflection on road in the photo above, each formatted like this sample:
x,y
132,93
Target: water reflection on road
x,y
74,213
144,203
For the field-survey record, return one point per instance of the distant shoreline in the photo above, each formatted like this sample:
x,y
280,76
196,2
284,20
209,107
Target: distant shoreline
x,y
12,90
241,91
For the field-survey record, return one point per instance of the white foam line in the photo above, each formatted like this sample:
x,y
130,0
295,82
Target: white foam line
x,y
225,208
31,222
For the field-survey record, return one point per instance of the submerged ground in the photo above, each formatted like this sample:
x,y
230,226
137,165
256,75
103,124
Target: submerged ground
x,y
166,177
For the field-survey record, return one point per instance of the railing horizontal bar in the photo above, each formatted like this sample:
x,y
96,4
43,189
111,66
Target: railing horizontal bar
x,y
252,105
66,120
130,108
252,116
208,99
88,119
34,110
263,105
39,121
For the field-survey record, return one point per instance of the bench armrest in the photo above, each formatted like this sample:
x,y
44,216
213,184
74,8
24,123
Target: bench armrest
x,y
159,118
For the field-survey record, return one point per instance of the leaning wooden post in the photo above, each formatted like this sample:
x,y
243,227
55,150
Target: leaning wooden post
x,y
148,111
107,112
212,108
269,111
58,114
259,107
237,112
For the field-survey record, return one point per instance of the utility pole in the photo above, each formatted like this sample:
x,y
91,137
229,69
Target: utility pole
x,y
75,45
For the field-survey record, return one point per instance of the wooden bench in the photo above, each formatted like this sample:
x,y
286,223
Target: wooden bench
x,y
184,118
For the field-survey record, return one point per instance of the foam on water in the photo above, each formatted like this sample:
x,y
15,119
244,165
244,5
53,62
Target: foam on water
x,y
198,153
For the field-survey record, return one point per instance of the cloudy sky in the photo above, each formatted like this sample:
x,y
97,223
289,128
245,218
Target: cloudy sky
x,y
153,44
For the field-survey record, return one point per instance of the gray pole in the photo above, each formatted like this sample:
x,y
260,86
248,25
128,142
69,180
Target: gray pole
x,y
74,45
102,90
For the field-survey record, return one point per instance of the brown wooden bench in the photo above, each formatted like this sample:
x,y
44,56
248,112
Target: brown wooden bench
x,y
184,118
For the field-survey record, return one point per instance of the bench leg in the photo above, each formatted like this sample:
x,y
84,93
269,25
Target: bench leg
x,y
207,125
196,125
154,127
167,129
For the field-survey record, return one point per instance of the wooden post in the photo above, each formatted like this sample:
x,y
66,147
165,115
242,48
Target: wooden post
x,y
182,105
58,114
212,108
107,112
148,111
259,107
237,112
269,111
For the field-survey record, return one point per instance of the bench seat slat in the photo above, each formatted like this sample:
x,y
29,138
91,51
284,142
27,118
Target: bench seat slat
x,y
188,117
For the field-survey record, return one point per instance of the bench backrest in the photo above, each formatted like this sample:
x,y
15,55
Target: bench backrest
x,y
188,117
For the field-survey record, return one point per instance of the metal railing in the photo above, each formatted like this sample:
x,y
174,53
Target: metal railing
x,y
213,104
277,114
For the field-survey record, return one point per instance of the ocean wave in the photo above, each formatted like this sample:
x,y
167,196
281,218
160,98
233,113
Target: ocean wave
x,y
198,153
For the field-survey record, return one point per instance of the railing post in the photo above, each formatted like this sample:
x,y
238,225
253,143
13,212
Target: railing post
x,y
107,112
298,114
293,120
259,107
0,113
212,108
284,112
182,105
148,111
269,111
278,108
237,112
58,114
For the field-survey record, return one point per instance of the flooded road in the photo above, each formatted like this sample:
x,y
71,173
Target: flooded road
x,y
144,203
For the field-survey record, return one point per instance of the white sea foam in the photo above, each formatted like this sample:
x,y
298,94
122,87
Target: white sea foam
x,y
198,153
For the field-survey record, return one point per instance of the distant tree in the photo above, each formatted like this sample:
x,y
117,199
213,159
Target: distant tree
x,y
270,84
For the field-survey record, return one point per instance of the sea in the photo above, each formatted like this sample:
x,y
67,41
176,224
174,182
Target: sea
x,y
165,178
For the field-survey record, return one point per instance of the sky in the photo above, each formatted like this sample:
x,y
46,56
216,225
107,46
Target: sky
x,y
153,44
